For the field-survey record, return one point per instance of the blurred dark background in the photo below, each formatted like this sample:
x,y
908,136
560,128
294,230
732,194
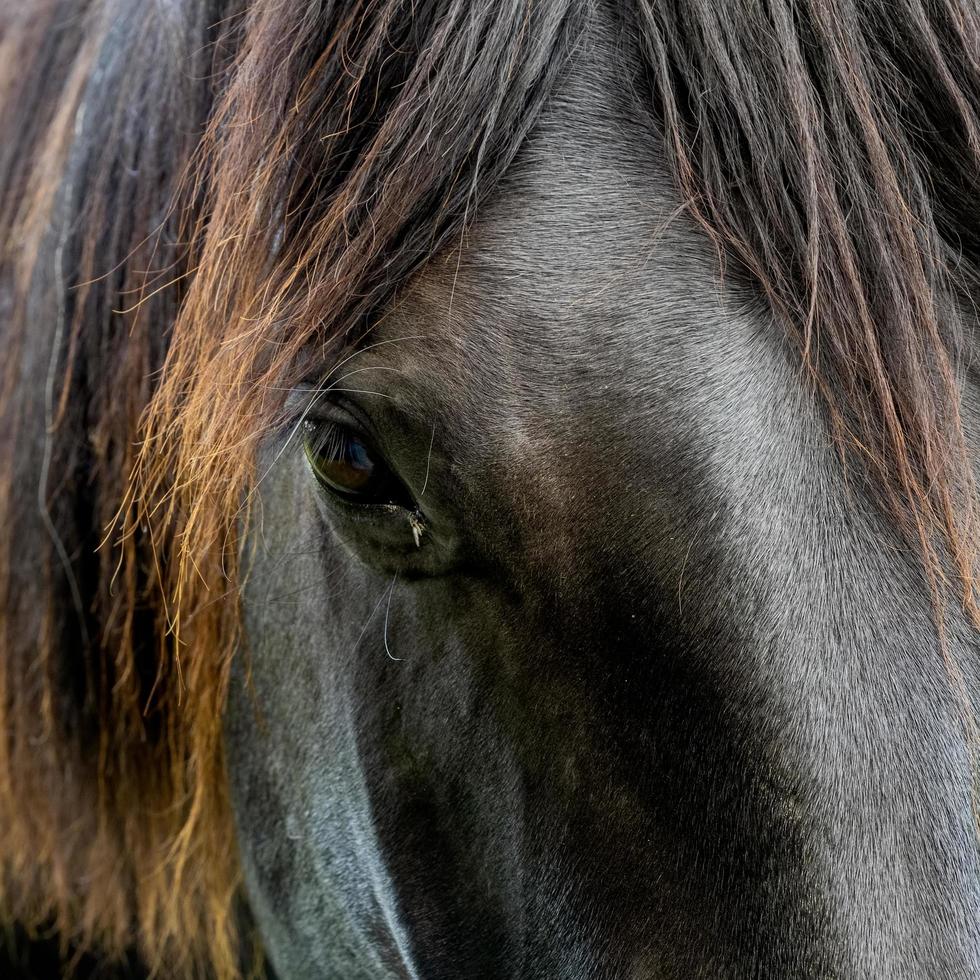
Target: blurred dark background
x,y
39,958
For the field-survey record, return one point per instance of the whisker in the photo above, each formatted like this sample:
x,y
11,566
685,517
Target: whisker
x,y
360,636
391,592
428,460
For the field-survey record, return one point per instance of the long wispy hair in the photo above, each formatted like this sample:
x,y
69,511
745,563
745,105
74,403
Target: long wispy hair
x,y
202,203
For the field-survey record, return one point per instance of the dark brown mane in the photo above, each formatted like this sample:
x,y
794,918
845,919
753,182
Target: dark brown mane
x,y
200,202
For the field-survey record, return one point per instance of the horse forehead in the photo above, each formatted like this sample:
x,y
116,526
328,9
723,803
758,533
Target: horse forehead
x,y
563,266
580,233
580,315
581,290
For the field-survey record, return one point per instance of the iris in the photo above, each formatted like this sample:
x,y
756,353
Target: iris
x,y
346,465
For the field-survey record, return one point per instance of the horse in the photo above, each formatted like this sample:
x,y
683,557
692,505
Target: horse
x,y
489,488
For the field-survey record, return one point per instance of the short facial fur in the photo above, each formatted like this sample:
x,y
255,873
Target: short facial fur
x,y
656,694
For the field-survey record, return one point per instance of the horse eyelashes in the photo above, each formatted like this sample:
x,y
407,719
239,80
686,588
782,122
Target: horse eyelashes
x,y
325,439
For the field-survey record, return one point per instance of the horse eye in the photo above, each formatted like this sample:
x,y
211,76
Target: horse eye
x,y
347,466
